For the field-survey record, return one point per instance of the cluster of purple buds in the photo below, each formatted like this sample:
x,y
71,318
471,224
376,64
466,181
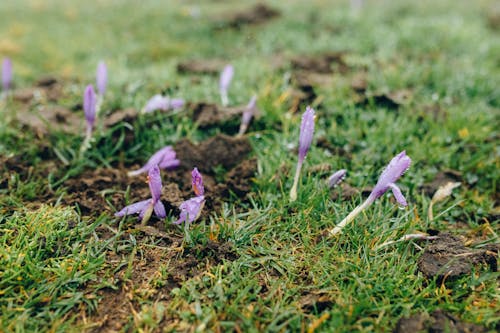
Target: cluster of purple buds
x,y
225,80
191,208
145,208
163,103
247,115
387,180
164,158
6,74
305,140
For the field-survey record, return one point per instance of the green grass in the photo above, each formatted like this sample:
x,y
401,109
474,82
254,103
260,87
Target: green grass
x,y
443,51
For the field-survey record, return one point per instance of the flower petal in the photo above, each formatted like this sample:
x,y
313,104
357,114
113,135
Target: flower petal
x,y
398,195
336,178
226,77
197,182
154,180
191,209
89,104
157,102
306,132
133,208
394,170
101,77
160,209
6,73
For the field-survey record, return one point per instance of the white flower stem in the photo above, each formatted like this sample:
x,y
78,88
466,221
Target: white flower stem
x,y
187,237
86,141
293,191
338,228
224,98
147,214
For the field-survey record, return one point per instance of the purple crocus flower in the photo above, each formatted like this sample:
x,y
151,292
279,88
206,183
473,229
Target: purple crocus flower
x,y
225,80
191,208
247,115
145,208
394,170
89,107
164,103
336,178
101,78
6,73
305,140
164,158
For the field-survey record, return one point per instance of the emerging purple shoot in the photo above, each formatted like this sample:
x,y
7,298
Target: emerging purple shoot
x,y
247,115
225,80
191,208
164,158
336,178
89,109
6,74
396,168
145,208
163,103
305,140
101,78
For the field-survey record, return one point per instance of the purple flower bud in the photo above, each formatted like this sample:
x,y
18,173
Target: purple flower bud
x,y
154,180
6,73
197,182
89,105
336,178
157,102
145,208
396,168
306,132
247,115
164,158
226,77
101,77
191,209
176,103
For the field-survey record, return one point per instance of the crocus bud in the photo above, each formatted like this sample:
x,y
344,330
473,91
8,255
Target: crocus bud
x,y
157,102
154,181
336,178
247,115
306,132
225,79
164,158
176,103
101,77
6,73
394,170
89,105
197,182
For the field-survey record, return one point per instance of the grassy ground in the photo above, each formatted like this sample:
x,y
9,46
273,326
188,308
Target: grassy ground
x,y
53,261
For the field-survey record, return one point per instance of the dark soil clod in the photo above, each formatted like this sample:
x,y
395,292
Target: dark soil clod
x,y
437,322
201,66
441,178
447,258
258,14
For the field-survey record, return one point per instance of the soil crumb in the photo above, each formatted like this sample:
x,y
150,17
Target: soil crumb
x,y
447,258
258,14
326,63
50,118
201,66
437,321
390,101
315,301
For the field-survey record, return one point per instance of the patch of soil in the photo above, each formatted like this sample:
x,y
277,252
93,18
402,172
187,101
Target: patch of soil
x,y
146,281
210,115
441,178
315,301
391,101
220,150
347,192
128,115
258,14
324,143
201,66
493,17
46,88
447,258
438,321
359,83
326,63
50,118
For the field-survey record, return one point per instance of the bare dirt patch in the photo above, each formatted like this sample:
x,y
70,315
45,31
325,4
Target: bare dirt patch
x,y
441,179
201,66
447,258
207,115
258,14
437,321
